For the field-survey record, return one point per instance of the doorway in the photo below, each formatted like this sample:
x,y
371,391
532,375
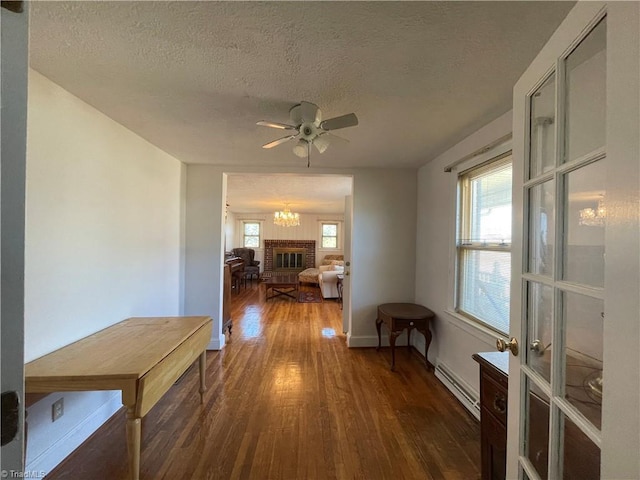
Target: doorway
x,y
322,202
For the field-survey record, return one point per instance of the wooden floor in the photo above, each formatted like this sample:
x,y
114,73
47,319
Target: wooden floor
x,y
288,400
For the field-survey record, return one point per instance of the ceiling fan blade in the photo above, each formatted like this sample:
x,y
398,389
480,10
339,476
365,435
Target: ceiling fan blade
x,y
335,138
344,121
282,126
308,112
277,142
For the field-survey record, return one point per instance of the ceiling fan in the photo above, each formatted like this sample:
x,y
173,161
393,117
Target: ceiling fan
x,y
306,119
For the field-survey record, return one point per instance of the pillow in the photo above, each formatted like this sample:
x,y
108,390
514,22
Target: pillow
x,y
336,262
338,268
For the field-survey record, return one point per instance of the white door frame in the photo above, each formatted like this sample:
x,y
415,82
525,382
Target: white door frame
x,y
347,246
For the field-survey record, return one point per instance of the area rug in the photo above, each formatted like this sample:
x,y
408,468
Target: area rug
x,y
312,296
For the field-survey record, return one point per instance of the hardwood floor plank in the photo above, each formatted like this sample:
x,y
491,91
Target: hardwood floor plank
x,y
287,399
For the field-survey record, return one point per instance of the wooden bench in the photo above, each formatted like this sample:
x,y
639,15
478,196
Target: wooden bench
x,y
142,357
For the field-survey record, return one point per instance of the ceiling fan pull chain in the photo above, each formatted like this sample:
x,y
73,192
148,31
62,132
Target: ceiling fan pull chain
x,y
308,154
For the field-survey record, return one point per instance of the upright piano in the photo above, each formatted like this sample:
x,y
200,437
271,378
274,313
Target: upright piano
x,y
233,275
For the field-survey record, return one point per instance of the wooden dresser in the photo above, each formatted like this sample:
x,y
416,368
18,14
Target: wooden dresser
x,y
233,275
494,380
226,300
581,459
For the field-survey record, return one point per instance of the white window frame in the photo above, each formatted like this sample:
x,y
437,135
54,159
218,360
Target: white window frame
x,y
476,328
338,225
244,235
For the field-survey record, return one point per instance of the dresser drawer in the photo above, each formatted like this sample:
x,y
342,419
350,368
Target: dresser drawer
x,y
494,398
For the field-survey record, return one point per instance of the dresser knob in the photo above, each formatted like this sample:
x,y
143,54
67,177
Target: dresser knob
x,y
410,323
500,404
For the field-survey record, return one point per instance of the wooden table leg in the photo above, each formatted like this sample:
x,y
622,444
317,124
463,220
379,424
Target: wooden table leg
x,y
392,342
378,322
203,370
133,442
427,341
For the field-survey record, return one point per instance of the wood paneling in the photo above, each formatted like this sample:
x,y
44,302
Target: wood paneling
x,y
288,400
309,229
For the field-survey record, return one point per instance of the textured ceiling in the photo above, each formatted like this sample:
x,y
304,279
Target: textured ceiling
x,y
304,193
194,77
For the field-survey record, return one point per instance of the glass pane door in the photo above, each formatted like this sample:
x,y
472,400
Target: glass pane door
x,y
563,279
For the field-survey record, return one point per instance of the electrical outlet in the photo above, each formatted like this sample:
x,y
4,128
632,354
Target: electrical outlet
x,y
57,409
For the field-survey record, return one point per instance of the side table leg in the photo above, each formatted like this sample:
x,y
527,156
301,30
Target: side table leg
x,y
427,341
133,442
378,322
392,342
203,370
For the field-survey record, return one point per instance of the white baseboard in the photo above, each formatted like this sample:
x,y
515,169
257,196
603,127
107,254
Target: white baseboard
x,y
58,451
365,341
216,343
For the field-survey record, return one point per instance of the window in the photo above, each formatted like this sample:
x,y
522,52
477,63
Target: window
x,y
329,235
484,243
251,234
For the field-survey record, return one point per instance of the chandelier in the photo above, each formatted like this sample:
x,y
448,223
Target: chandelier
x,y
284,218
593,218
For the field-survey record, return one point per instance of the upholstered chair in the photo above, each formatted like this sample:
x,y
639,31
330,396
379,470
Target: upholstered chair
x,y
251,266
328,280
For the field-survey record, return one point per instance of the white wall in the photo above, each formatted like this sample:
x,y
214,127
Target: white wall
x,y
384,244
384,236
453,340
205,237
230,232
103,243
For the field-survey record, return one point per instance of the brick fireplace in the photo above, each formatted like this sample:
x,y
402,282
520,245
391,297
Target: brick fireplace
x,y
276,250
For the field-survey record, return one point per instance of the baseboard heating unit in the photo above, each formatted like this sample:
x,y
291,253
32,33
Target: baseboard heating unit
x,y
460,389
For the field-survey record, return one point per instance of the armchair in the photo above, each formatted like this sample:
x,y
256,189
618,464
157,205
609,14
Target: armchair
x,y
251,266
313,275
328,280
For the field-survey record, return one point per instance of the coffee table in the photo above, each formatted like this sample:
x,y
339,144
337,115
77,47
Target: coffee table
x,y
282,285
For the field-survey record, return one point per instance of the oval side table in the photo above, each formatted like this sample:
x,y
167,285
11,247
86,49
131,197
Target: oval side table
x,y
400,316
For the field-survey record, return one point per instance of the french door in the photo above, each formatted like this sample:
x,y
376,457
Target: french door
x,y
573,413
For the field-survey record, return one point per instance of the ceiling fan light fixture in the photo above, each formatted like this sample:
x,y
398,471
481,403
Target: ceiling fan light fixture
x,y
300,149
306,118
321,144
